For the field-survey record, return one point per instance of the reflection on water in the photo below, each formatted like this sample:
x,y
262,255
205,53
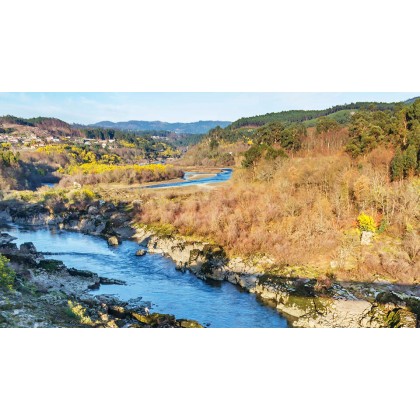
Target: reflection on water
x,y
154,278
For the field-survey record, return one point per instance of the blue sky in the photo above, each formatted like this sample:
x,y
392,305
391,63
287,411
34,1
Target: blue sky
x,y
174,107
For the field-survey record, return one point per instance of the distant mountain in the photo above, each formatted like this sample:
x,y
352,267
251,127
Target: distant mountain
x,y
412,100
198,127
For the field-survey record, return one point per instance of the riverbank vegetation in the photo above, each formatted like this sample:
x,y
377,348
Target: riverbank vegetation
x,y
7,275
96,173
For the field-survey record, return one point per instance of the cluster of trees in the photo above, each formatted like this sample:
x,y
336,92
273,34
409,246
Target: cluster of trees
x,y
399,129
368,130
404,163
272,140
8,158
231,135
99,133
287,136
18,174
11,119
183,140
255,153
326,125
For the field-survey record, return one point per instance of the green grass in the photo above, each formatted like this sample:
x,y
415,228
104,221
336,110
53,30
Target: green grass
x,y
341,117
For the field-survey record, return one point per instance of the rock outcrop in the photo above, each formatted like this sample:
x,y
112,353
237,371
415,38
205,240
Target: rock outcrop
x,y
6,239
113,241
341,305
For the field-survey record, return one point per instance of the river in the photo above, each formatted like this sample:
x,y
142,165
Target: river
x,y
222,176
154,278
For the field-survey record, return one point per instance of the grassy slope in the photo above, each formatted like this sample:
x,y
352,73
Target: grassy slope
x,y
342,117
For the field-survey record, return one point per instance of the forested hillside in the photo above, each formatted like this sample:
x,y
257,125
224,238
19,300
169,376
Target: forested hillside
x,y
391,126
295,116
39,125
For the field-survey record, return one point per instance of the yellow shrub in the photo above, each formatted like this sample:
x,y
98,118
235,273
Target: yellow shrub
x,y
78,311
100,168
366,223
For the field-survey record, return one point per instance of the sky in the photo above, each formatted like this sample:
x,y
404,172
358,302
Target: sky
x,y
89,107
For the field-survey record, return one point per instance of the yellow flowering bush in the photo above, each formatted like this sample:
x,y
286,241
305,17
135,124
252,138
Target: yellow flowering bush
x,y
366,223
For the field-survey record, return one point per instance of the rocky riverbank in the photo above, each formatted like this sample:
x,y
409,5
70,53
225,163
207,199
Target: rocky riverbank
x,y
46,294
305,302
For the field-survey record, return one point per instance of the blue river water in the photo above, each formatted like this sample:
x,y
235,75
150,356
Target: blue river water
x,y
154,278
223,176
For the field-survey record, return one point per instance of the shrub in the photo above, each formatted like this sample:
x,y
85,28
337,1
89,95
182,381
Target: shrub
x,y
7,275
27,196
77,311
83,195
366,223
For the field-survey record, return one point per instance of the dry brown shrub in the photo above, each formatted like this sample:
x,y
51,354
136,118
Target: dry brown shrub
x,y
300,212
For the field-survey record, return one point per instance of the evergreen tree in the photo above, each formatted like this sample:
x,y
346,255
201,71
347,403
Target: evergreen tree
x,y
410,160
397,166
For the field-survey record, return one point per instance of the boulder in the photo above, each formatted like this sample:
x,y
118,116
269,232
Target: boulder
x,y
5,238
105,280
92,210
28,248
156,320
117,311
141,318
188,323
113,241
5,215
125,232
141,252
366,238
94,286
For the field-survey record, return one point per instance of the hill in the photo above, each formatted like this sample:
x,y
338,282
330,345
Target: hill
x,y
38,125
411,101
198,127
300,116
